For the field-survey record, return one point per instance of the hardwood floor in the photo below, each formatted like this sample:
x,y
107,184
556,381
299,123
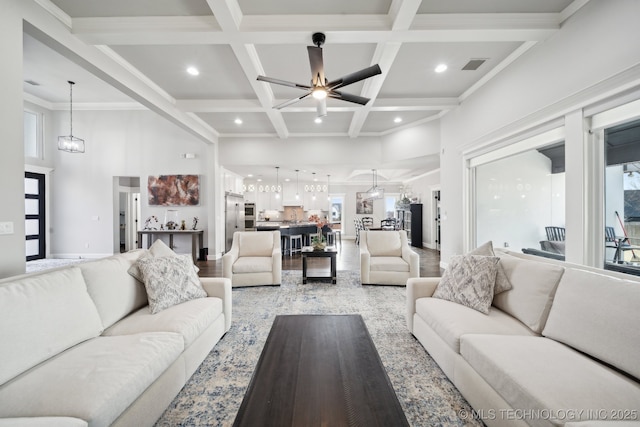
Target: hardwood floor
x,y
348,259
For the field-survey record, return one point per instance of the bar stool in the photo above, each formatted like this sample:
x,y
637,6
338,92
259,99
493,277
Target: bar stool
x,y
333,237
295,243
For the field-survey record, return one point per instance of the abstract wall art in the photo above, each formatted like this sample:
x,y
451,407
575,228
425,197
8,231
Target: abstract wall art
x,y
173,190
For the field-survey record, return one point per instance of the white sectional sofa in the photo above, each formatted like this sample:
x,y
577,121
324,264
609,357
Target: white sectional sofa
x,y
79,346
562,347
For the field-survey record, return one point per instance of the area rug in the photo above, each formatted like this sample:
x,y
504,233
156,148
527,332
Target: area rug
x,y
49,263
213,394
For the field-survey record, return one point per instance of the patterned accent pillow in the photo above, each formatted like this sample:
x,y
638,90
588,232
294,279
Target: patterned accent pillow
x,y
158,249
469,280
169,281
502,281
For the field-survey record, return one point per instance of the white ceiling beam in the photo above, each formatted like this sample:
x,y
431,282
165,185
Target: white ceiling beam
x,y
229,17
48,29
176,30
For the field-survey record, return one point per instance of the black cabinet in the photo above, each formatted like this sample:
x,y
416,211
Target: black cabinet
x,y
411,220
415,227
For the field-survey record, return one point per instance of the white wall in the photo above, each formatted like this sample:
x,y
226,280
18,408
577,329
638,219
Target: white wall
x,y
12,246
118,143
591,51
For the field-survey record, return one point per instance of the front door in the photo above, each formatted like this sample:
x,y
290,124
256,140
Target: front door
x,y
34,209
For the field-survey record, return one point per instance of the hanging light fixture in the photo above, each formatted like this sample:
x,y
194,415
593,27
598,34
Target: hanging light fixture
x,y
70,143
375,192
328,187
297,186
313,186
277,182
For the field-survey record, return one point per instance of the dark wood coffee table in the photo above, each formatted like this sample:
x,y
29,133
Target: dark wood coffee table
x,y
320,370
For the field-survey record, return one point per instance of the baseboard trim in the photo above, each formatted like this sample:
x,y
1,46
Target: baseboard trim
x,y
80,256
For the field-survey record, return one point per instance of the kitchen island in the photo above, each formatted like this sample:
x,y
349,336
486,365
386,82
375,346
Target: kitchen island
x,y
305,229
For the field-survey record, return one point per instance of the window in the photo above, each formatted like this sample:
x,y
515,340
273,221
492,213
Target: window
x,y
32,135
519,192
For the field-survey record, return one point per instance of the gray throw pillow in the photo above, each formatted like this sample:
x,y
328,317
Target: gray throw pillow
x,y
169,281
469,280
502,281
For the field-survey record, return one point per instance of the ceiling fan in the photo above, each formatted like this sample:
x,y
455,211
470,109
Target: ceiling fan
x,y
320,88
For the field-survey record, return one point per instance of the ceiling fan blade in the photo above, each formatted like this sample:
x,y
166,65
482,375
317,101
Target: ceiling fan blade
x,y
317,65
355,77
322,107
291,101
348,97
282,82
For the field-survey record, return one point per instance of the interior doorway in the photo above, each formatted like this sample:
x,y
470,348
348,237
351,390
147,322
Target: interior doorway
x,y
126,213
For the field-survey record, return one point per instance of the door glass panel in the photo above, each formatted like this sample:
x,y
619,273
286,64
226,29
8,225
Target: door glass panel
x,y
622,197
31,227
32,247
30,186
31,207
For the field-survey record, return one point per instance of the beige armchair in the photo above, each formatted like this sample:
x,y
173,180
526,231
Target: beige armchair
x,y
386,258
255,258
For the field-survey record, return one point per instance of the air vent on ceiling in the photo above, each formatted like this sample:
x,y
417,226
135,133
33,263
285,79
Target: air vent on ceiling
x,y
32,83
473,64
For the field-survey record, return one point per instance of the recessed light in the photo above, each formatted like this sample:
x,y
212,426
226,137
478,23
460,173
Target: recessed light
x,y
441,68
318,120
250,175
238,121
397,120
193,71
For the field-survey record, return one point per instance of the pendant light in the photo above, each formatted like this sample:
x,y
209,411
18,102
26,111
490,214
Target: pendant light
x,y
70,143
313,197
328,187
297,186
277,182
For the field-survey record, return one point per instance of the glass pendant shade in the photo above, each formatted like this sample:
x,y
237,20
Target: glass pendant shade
x,y
70,143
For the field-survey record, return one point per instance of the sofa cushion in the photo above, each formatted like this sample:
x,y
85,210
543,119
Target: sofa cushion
x,y
115,292
42,315
255,244
451,320
599,315
546,376
533,287
169,281
469,280
388,263
253,264
95,381
384,243
502,281
188,319
43,422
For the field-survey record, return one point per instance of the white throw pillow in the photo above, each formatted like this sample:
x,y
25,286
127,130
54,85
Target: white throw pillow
x,y
469,280
502,281
158,249
169,281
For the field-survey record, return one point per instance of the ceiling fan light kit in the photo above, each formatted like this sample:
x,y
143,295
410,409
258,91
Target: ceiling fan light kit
x,y
320,88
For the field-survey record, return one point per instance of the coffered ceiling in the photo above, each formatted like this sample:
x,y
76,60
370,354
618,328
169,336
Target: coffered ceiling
x,y
231,42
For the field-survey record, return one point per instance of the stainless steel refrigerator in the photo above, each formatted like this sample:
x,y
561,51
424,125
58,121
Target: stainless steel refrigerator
x,y
234,217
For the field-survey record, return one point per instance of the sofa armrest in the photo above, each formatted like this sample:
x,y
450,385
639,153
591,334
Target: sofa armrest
x,y
220,287
418,287
43,422
227,262
365,264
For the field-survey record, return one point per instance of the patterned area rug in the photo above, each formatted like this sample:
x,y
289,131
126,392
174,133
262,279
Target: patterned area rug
x,y
214,393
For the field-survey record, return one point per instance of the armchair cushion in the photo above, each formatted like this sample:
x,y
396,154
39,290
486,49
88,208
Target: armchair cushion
x,y
252,264
388,263
257,244
387,244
